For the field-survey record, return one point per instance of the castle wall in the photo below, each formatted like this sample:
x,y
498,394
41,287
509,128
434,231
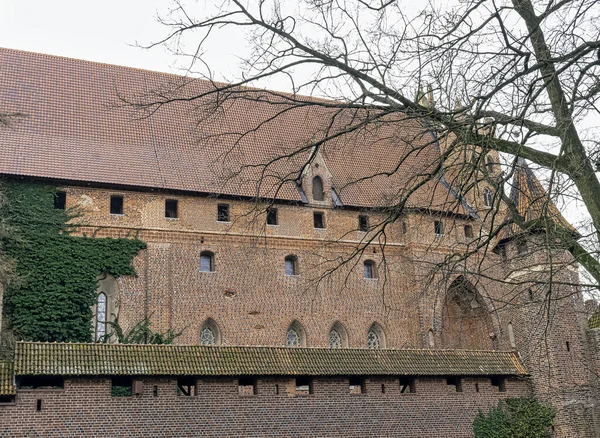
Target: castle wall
x,y
85,408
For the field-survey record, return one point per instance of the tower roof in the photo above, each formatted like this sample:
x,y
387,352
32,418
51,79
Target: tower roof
x,y
533,205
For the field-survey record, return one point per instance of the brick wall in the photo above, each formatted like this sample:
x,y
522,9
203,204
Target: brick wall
x,y
85,408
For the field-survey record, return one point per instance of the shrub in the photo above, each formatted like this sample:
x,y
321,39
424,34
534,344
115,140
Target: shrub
x,y
515,418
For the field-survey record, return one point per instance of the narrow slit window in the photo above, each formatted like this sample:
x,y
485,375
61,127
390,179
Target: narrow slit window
x,y
171,209
468,231
272,216
318,219
246,386
438,227
116,205
207,261
487,198
363,223
101,306
60,200
317,188
223,213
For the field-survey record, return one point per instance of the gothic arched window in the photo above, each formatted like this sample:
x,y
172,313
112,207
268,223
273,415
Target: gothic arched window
x,y
335,339
209,333
101,309
375,337
294,336
487,198
317,189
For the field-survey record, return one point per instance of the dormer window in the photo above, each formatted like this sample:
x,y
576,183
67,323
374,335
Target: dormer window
x,y
317,189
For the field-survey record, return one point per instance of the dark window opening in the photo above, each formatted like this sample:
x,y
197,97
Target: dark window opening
x,y
383,388
521,246
121,386
318,219
477,387
304,386
317,189
272,216
438,228
155,391
60,200
276,389
186,386
291,265
488,200
38,406
363,223
468,231
455,382
40,382
500,249
207,261
116,205
499,383
404,228
171,209
7,398
246,386
568,346
369,269
530,292
356,385
223,213
407,385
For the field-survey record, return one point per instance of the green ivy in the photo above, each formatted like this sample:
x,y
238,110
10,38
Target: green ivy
x,y
515,418
58,271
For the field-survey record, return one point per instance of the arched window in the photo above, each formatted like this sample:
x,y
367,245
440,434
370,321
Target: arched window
x,y
511,335
375,337
489,162
207,261
317,189
487,197
337,336
291,265
294,336
101,308
369,269
210,333
431,339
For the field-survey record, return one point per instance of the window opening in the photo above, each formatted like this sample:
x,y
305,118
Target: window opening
x,y
568,346
292,338
487,198
155,391
223,213
530,292
276,389
477,387
455,383
431,338
373,341
404,228
60,200
407,385
356,385
207,337
369,269
7,399
335,339
521,246
207,261
317,188
271,216
499,383
121,386
511,335
489,164
38,405
318,219
291,265
101,316
171,209
116,205
438,228
304,386
186,386
363,223
246,386
40,382
468,231
383,388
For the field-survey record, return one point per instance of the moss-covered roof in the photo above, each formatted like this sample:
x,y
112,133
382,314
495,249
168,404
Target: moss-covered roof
x,y
7,386
106,359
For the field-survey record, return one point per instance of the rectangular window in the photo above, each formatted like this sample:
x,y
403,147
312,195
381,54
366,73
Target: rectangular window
x,y
116,205
60,200
40,382
246,386
439,228
356,385
454,383
499,383
186,386
363,223
121,386
223,213
171,209
407,385
304,386
318,219
468,231
271,216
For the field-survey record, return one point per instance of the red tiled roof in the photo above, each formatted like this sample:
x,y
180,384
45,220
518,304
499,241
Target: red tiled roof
x,y
77,129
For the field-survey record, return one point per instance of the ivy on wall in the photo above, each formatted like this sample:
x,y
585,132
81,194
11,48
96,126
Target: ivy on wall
x,y
57,288
515,418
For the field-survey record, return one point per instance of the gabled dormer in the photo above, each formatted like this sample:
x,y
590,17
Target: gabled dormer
x,y
317,184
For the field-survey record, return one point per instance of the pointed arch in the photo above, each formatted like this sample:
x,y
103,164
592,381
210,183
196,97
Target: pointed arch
x,y
295,336
466,320
338,337
318,190
376,337
210,334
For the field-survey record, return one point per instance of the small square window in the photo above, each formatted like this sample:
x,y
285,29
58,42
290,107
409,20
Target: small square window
x,y
60,200
468,231
116,205
171,209
121,386
363,223
455,383
223,213
246,386
186,386
499,383
439,228
407,385
304,386
271,216
356,385
319,220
